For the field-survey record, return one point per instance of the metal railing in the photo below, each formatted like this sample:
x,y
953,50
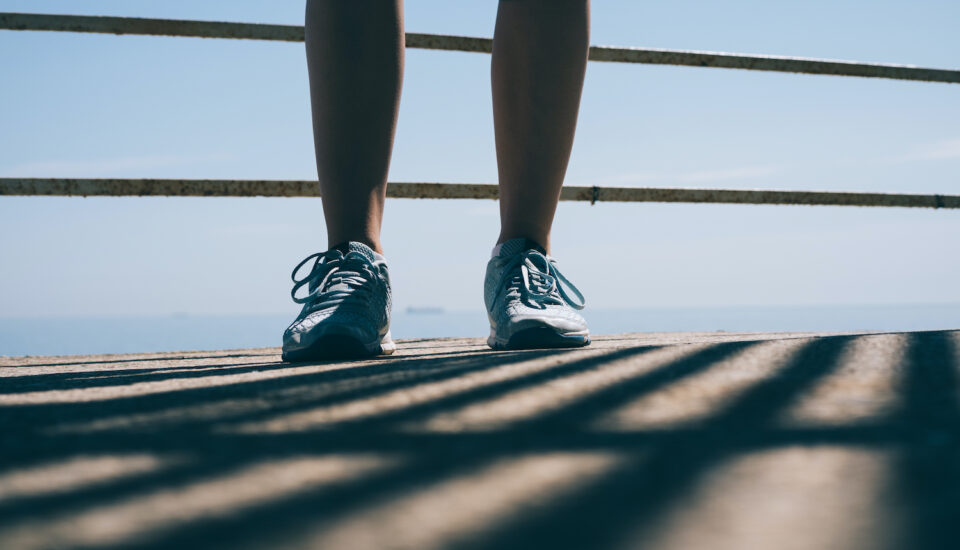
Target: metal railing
x,y
297,188
407,190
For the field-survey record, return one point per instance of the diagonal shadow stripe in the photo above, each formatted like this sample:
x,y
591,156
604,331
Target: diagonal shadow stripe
x,y
596,405
445,457
120,377
599,516
77,380
631,499
928,473
31,421
490,390
215,355
48,505
292,515
571,414
428,465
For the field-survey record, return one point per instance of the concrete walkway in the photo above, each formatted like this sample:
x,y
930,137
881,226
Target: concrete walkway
x,y
660,441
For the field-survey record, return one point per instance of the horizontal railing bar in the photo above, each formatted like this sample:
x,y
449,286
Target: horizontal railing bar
x,y
405,190
294,33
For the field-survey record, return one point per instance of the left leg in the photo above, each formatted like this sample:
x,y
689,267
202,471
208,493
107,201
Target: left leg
x,y
539,62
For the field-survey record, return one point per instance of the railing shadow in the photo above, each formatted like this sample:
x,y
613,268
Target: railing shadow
x,y
660,466
928,476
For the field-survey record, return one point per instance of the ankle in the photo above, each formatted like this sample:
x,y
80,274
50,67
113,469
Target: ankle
x,y
374,244
542,240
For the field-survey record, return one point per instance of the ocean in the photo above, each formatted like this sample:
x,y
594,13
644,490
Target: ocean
x,y
92,335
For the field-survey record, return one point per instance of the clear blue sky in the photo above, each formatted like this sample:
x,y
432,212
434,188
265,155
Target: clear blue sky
x,y
77,105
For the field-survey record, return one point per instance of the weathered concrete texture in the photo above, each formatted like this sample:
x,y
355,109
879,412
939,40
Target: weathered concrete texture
x,y
663,441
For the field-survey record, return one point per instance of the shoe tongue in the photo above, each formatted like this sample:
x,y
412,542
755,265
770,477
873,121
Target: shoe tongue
x,y
346,248
360,248
518,245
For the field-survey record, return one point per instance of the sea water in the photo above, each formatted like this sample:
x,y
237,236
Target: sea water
x,y
66,336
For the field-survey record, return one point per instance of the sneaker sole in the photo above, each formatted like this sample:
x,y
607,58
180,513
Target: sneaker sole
x,y
539,338
338,346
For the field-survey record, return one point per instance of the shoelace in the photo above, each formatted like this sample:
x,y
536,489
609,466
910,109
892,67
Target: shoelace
x,y
353,271
540,282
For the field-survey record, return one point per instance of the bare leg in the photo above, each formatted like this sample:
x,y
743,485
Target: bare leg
x,y
539,61
355,61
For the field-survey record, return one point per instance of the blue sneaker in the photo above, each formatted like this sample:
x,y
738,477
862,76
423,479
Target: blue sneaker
x,y
527,303
346,311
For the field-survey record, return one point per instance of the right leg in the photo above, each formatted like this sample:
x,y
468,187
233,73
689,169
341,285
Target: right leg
x,y
355,61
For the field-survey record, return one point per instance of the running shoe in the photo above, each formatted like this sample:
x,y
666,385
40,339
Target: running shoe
x,y
530,304
346,310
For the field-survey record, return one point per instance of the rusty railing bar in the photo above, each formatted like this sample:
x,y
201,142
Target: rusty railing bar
x,y
294,33
88,187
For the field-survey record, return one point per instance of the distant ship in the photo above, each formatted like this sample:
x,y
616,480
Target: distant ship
x,y
427,310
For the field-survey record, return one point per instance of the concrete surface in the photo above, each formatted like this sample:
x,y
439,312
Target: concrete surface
x,y
662,441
